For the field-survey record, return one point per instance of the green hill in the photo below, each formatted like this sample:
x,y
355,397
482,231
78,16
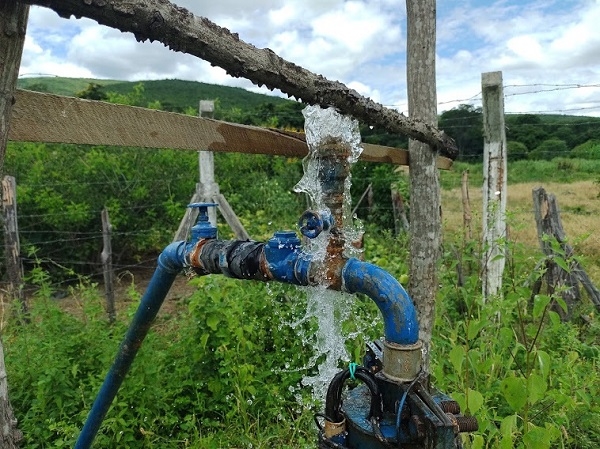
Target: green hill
x,y
173,95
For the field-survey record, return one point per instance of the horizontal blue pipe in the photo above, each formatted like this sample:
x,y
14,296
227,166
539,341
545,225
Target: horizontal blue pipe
x,y
399,314
170,262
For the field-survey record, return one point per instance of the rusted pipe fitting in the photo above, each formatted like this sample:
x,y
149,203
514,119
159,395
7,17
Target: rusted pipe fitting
x,y
401,363
334,428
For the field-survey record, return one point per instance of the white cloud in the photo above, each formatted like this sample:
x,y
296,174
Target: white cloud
x,y
359,42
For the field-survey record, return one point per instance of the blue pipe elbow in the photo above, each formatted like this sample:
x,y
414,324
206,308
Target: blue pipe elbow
x,y
400,321
173,257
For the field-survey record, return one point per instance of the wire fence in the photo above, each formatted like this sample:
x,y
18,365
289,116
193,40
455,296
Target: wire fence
x,y
69,238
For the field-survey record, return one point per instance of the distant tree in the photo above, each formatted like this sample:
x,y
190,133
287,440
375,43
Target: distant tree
x,y
587,150
93,91
549,149
516,150
527,129
465,125
133,98
38,87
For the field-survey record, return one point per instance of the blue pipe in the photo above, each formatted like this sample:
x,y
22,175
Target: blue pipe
x,y
286,263
170,262
399,314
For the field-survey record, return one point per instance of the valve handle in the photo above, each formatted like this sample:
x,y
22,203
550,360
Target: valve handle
x,y
312,223
202,209
203,229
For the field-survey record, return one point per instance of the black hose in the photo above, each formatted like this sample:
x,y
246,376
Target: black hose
x,y
333,399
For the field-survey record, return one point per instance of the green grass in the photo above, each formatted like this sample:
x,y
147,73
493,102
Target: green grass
x,y
563,170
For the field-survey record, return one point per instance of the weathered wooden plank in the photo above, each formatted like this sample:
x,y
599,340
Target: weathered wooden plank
x,y
40,117
180,30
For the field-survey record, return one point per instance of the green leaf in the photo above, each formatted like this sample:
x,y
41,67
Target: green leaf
x,y
457,357
204,339
554,318
507,425
562,263
475,400
540,302
213,321
477,442
506,443
561,302
545,362
537,438
536,387
513,389
474,327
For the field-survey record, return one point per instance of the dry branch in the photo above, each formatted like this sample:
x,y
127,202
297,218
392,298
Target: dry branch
x,y
180,30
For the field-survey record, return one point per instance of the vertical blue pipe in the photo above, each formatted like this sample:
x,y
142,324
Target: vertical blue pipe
x,y
399,314
170,262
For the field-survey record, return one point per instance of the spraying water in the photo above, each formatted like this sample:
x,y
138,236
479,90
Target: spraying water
x,y
329,308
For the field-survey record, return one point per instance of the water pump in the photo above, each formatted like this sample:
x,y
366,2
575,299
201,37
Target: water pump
x,y
383,413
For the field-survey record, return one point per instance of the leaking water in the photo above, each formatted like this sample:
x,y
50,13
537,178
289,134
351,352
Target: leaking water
x,y
329,308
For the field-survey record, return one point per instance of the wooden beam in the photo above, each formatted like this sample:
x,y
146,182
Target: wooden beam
x,y
40,117
180,30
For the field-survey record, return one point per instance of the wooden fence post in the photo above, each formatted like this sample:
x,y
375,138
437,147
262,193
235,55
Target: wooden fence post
x,y
109,275
12,245
13,25
494,184
466,202
549,226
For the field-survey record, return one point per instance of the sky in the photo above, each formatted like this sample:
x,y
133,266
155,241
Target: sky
x,y
548,50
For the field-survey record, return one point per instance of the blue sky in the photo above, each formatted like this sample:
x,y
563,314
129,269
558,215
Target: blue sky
x,y
548,51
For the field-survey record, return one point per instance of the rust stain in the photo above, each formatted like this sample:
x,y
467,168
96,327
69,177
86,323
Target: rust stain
x,y
263,266
195,260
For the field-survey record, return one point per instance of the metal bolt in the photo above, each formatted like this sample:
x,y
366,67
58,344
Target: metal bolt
x,y
467,423
450,407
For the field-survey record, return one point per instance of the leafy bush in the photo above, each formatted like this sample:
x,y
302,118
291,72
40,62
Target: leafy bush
x,y
512,362
223,365
549,149
587,150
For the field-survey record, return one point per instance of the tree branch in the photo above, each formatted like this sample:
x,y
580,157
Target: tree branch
x,y
180,30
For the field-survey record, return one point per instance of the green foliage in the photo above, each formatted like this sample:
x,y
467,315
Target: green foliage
x,y
516,151
549,149
173,95
380,177
62,189
229,366
93,91
465,125
587,150
512,362
523,171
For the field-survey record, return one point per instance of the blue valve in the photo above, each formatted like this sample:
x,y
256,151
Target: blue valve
x,y
203,229
312,223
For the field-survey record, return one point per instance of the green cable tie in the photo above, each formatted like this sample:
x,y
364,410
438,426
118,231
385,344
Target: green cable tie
x,y
352,368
